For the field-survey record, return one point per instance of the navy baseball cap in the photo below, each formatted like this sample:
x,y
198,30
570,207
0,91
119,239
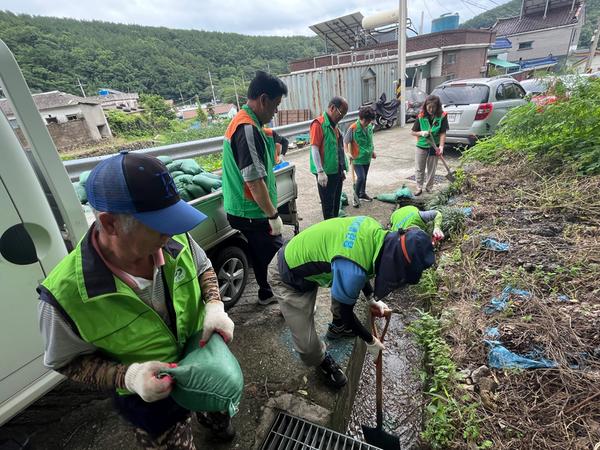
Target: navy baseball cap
x,y
138,184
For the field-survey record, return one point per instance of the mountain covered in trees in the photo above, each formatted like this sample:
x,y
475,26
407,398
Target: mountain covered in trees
x,y
55,53
513,8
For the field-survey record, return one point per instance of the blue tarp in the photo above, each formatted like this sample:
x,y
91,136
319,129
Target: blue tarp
x,y
499,303
547,61
501,43
494,245
499,357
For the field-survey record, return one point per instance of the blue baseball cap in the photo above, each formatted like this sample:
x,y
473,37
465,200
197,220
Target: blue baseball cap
x,y
141,185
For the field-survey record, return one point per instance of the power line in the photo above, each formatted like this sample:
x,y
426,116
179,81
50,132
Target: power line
x,y
468,7
477,5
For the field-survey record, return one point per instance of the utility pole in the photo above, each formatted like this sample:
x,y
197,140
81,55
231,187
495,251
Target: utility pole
x,y
81,87
212,88
402,13
237,99
594,46
181,96
422,21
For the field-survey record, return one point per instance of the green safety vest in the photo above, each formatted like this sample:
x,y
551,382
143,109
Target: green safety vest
x,y
329,148
362,144
116,320
434,130
358,239
406,217
237,198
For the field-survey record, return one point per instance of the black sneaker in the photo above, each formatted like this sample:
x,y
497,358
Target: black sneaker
x,y
219,425
366,198
335,375
266,297
339,331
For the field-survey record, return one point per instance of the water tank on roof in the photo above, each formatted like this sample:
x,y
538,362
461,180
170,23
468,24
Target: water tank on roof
x,y
103,92
448,21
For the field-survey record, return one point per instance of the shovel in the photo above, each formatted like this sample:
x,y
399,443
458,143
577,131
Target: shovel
x,y
377,436
355,200
451,174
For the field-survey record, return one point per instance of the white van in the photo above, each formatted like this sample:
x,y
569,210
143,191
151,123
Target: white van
x,y
34,237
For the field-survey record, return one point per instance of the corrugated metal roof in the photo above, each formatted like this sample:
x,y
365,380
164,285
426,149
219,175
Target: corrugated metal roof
x,y
501,43
554,18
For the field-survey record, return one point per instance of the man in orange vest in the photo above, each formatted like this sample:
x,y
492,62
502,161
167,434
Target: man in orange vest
x,y
249,190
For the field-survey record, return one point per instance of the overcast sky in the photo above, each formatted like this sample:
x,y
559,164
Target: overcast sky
x,y
258,17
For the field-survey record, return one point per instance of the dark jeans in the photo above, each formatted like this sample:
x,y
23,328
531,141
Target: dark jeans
x,y
331,195
362,171
262,246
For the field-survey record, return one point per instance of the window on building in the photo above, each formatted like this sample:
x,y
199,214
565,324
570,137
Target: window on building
x,y
527,45
71,117
51,120
450,58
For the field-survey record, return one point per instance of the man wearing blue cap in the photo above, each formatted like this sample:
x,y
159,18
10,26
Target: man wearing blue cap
x,y
120,307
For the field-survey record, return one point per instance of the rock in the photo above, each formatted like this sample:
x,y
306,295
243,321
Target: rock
x,y
487,384
480,372
467,387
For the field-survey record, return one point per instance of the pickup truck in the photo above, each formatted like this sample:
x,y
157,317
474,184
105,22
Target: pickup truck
x,y
42,220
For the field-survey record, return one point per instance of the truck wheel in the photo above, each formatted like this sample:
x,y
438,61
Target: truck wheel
x,y
231,266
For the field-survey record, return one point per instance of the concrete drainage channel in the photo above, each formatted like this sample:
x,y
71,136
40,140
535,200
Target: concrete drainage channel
x,y
402,389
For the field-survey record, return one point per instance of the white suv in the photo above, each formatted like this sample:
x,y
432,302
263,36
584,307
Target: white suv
x,y
476,106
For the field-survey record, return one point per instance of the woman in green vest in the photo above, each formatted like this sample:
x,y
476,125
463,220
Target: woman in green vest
x,y
358,141
431,123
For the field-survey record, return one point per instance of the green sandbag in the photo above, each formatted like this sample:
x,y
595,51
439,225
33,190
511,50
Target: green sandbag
x,y
83,177
177,173
206,182
182,182
80,191
403,192
388,198
165,159
196,191
208,378
342,213
188,166
344,200
211,175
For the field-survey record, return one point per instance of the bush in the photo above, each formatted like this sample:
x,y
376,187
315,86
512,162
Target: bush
x,y
127,125
562,135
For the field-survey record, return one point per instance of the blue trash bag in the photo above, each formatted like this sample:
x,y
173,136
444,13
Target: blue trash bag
x,y
494,245
499,357
500,303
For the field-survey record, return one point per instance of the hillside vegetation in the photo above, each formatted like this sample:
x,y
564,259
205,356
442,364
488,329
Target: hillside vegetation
x,y
53,53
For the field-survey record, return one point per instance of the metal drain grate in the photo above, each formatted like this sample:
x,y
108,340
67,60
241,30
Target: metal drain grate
x,y
292,433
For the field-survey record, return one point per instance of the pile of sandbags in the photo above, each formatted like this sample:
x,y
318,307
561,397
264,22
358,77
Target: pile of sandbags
x,y
191,179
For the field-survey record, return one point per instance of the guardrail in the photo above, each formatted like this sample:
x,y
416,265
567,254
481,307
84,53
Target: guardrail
x,y
191,149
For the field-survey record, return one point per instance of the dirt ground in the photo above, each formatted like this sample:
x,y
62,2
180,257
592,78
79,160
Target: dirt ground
x,y
552,227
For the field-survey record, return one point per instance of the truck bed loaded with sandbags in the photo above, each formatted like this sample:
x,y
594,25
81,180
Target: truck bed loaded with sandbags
x,y
43,219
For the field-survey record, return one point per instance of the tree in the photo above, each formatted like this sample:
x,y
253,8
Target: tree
x,y
201,115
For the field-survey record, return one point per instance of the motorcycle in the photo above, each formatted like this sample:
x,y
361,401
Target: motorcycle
x,y
386,113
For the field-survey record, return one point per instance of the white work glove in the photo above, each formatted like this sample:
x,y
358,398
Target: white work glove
x,y
440,150
322,179
276,225
424,133
438,234
374,348
378,308
216,320
141,379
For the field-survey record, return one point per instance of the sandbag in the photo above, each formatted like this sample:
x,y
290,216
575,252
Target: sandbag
x,y
165,159
80,191
388,198
207,183
177,173
208,378
182,182
344,200
188,166
214,176
83,177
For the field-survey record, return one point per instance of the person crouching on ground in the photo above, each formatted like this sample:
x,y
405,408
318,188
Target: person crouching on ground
x,y
343,254
359,147
410,216
120,307
431,123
